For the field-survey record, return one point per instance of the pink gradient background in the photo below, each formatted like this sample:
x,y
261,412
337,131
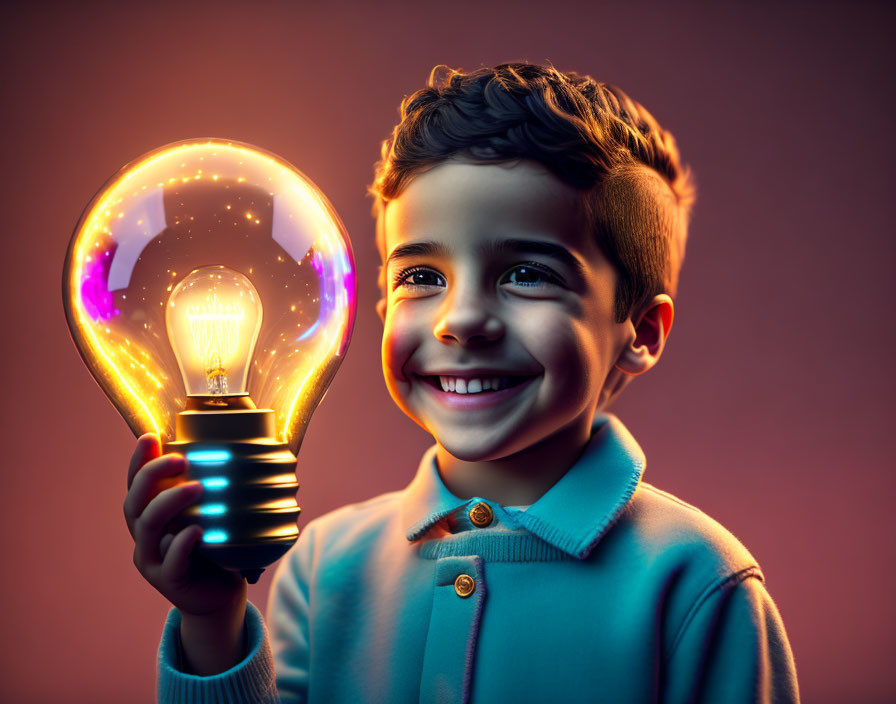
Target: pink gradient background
x,y
770,409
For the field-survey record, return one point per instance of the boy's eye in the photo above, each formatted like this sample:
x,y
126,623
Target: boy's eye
x,y
530,275
416,277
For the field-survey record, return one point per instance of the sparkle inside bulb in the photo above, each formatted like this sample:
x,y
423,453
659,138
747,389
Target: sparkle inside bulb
x,y
168,269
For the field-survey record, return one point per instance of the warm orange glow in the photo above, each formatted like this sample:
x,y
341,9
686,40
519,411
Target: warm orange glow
x,y
148,395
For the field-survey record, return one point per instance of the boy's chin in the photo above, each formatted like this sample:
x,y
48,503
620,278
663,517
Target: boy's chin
x,y
466,454
472,449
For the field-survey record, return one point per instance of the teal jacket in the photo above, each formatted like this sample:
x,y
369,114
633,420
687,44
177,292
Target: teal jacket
x,y
606,589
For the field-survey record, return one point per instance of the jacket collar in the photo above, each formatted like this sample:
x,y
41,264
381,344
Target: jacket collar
x,y
573,515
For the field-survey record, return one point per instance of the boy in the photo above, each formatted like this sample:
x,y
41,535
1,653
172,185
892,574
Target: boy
x,y
531,225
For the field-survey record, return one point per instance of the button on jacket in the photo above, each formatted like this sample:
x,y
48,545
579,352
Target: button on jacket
x,y
606,589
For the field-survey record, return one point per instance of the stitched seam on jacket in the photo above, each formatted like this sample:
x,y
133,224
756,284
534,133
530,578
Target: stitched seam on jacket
x,y
667,495
506,547
610,520
734,579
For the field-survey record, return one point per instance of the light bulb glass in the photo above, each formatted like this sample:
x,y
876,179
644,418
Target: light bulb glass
x,y
213,318
210,267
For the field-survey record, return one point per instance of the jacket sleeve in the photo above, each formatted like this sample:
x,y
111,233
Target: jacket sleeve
x,y
288,617
250,681
732,648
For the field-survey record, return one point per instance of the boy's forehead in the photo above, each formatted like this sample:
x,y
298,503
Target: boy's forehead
x,y
460,201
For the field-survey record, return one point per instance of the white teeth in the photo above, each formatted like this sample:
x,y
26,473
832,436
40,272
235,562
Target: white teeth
x,y
473,386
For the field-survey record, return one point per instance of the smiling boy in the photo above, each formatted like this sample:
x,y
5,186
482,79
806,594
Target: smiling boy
x,y
500,338
532,226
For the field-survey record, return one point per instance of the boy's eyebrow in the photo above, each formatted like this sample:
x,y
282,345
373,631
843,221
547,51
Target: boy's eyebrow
x,y
417,249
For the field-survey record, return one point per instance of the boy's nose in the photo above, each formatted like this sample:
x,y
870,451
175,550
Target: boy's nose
x,y
467,319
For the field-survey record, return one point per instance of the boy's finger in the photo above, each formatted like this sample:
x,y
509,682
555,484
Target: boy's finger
x,y
177,558
165,543
148,529
150,480
148,448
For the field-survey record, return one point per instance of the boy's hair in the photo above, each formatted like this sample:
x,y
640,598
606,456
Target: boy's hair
x,y
636,196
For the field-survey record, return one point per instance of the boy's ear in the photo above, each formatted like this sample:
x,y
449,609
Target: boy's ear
x,y
647,336
381,309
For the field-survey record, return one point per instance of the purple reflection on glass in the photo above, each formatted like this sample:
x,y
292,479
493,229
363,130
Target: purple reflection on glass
x,y
95,295
317,261
320,268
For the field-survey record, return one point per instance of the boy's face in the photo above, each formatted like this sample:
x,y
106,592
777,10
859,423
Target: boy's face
x,y
491,280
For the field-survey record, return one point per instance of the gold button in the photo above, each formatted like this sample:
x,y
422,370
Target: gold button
x,y
481,514
464,585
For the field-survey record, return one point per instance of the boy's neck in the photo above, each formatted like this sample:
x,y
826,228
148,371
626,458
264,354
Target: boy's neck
x,y
519,479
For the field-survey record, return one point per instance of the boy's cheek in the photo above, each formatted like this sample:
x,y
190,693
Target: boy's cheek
x,y
399,343
398,347
572,358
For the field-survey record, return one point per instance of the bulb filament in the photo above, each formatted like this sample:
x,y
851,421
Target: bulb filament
x,y
215,328
216,376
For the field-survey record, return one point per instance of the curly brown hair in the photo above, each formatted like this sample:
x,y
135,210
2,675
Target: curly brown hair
x,y
636,195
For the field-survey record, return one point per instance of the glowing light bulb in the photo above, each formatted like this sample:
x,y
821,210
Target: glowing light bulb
x,y
213,318
209,287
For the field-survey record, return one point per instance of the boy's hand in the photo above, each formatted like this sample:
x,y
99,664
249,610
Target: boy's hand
x,y
157,492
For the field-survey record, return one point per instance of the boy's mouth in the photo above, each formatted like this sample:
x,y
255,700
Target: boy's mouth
x,y
473,385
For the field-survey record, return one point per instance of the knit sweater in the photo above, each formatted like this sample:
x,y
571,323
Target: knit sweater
x,y
605,589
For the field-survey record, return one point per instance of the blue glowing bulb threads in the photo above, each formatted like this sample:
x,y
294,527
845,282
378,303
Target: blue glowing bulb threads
x,y
248,510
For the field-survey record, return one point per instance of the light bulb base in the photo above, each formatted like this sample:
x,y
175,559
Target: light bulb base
x,y
248,510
